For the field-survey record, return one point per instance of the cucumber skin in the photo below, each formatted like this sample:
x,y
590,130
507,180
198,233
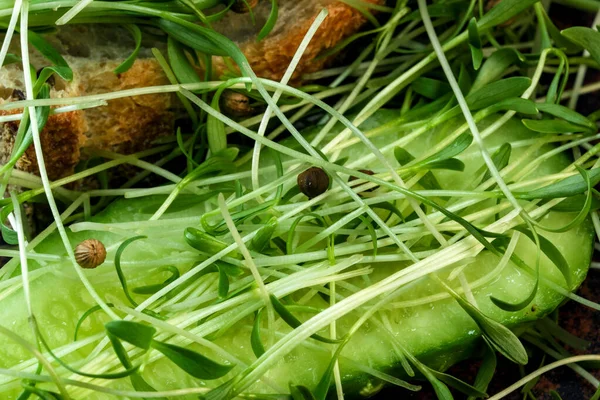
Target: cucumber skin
x,y
355,384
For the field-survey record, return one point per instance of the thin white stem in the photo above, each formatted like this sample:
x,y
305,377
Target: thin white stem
x,y
463,105
249,261
284,81
22,252
72,13
42,166
10,31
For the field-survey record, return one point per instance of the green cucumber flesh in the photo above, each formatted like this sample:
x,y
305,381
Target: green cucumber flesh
x,y
436,330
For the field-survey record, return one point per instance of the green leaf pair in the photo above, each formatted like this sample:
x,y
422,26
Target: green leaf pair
x,y
569,121
496,334
142,336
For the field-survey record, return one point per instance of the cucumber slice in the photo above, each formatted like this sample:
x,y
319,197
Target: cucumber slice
x,y
423,317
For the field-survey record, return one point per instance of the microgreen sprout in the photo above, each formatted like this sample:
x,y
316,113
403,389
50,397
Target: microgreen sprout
x,y
426,185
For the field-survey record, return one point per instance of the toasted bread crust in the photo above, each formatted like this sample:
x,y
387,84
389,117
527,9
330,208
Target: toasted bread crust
x,y
270,57
129,124
61,139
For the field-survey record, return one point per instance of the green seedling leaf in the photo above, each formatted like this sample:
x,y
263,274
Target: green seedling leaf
x,y
551,251
134,333
560,41
391,208
12,59
151,289
60,67
567,187
549,326
441,390
293,322
203,242
587,38
137,381
503,11
430,88
516,104
497,91
583,212
459,145
219,161
576,204
299,392
442,159
457,384
255,340
567,114
271,21
402,156
501,158
279,169
119,270
429,181
9,235
230,269
554,395
486,370
140,385
198,37
223,283
508,306
217,137
119,350
452,164
239,216
495,67
261,241
40,393
421,111
137,36
464,79
182,68
195,364
475,44
85,316
116,375
321,221
499,336
372,232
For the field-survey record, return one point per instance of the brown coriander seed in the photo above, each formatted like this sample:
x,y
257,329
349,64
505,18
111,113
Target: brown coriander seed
x,y
243,7
234,104
18,95
367,172
313,182
90,253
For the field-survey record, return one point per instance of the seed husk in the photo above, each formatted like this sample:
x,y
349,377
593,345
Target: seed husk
x,y
234,104
313,182
90,253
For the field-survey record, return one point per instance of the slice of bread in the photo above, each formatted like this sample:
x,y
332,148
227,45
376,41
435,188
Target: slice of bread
x,y
132,124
